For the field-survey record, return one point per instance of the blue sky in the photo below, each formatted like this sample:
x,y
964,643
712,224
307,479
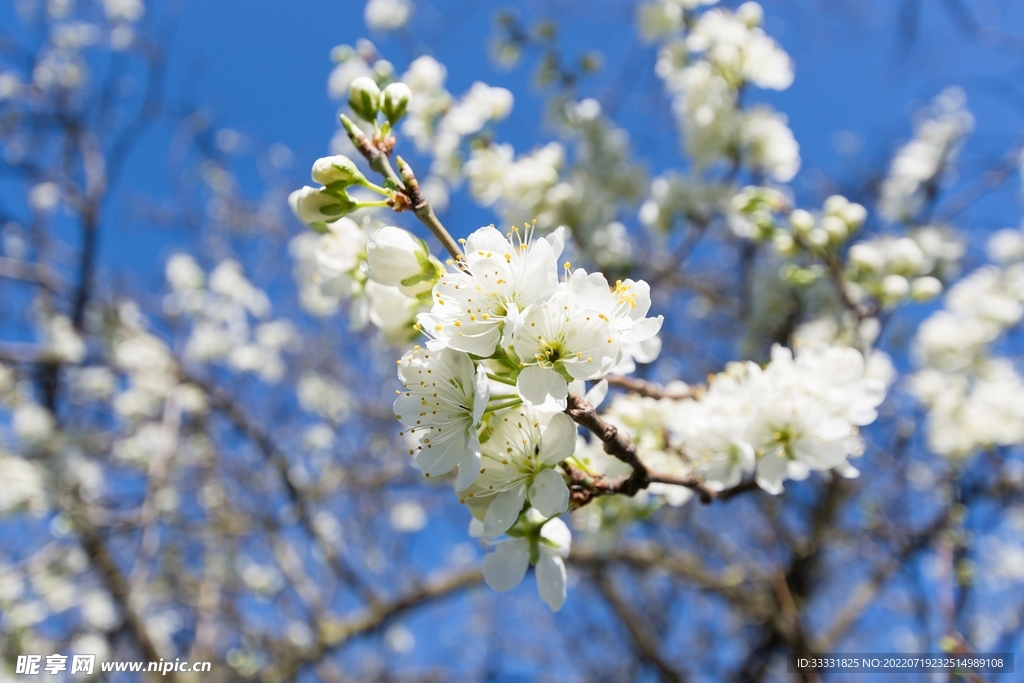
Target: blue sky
x,y
261,67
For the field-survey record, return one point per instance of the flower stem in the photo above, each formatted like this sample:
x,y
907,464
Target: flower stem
x,y
503,380
501,406
378,161
376,188
368,205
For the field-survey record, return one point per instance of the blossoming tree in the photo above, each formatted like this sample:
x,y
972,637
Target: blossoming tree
x,y
703,407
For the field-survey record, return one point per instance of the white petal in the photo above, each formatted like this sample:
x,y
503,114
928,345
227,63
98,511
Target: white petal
x,y
476,528
674,495
846,470
557,241
771,472
506,566
558,440
469,470
549,494
441,456
578,386
643,329
480,345
597,393
556,535
485,239
647,351
543,388
551,580
481,394
823,455
504,510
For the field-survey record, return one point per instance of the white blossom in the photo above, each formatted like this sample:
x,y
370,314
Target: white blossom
x,y
938,134
396,257
23,486
516,467
768,145
505,568
387,15
444,401
32,423
505,275
799,414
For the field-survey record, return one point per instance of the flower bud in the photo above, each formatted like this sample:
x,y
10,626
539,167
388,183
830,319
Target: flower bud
x,y
801,276
802,221
317,207
836,228
895,286
835,204
396,257
784,243
817,238
866,257
364,98
750,13
338,171
925,288
906,256
394,101
854,215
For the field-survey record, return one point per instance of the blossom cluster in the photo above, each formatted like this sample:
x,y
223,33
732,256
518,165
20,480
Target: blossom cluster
x,y
219,308
917,166
70,34
486,393
799,413
974,398
893,268
583,193
386,273
705,60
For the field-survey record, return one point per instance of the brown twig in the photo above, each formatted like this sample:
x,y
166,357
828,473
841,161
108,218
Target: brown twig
x,y
406,183
645,640
335,633
620,446
230,408
649,389
27,271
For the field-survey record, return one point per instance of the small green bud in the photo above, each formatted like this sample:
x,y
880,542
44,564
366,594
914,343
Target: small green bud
x,y
315,207
784,243
818,238
364,98
394,101
750,13
835,204
836,228
801,277
854,215
894,287
337,172
925,288
802,221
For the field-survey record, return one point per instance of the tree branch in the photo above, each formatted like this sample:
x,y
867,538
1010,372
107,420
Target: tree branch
x,y
645,642
407,183
620,446
649,389
223,402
